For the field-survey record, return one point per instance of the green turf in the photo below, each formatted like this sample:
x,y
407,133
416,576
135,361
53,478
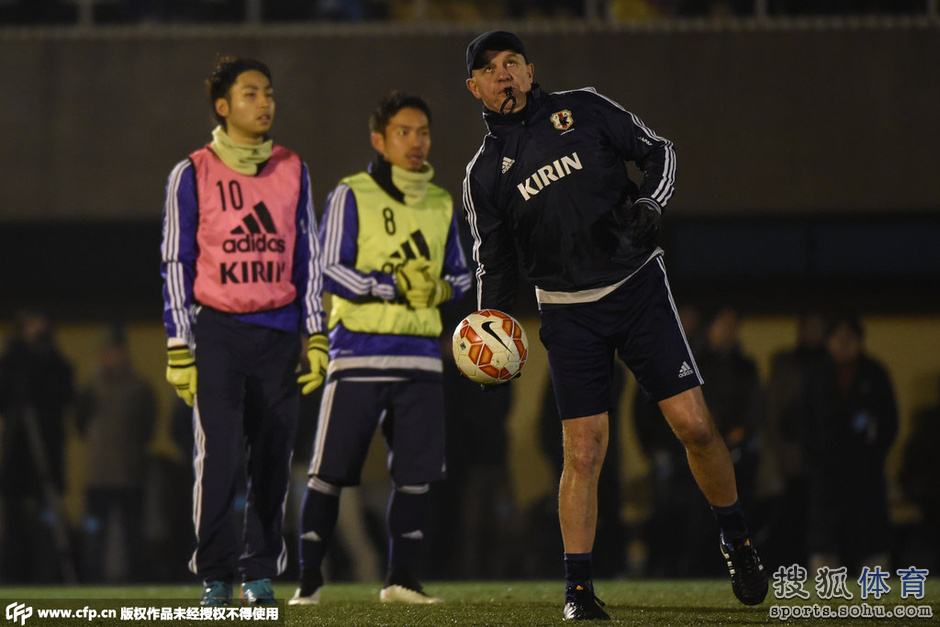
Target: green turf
x,y
635,602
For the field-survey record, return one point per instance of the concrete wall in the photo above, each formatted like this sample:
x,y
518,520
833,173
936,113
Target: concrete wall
x,y
765,121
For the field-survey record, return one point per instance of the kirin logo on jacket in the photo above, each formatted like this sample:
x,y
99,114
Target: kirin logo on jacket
x,y
548,174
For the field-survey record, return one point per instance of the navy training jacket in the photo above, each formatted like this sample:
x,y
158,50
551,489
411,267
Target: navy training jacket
x,y
547,187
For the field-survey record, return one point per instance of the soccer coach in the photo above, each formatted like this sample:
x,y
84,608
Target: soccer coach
x,y
550,182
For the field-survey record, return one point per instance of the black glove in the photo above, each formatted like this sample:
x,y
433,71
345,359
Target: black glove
x,y
644,220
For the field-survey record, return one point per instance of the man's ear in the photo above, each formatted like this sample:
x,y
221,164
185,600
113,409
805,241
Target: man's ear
x,y
222,107
473,89
378,142
531,67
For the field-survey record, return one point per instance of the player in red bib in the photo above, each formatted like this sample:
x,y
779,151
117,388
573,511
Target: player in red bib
x,y
240,263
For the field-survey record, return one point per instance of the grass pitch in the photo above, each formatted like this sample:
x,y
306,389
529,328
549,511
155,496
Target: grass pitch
x,y
635,602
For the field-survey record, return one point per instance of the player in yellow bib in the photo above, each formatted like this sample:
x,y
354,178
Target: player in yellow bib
x,y
391,256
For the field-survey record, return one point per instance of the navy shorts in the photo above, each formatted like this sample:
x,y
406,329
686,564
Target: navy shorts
x,y
411,414
639,322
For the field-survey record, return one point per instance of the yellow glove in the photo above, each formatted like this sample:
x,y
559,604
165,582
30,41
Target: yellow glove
x,y
181,372
317,357
419,287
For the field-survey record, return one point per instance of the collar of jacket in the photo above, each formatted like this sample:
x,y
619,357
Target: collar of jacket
x,y
499,122
381,171
245,159
405,186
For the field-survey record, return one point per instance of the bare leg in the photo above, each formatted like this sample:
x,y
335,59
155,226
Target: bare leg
x,y
711,466
585,445
708,456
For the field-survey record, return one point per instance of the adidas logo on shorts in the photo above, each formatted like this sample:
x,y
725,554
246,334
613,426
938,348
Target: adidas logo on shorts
x,y
685,370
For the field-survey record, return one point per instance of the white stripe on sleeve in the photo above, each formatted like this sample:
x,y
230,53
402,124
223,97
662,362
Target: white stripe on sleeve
x,y
474,229
332,266
314,322
663,191
175,276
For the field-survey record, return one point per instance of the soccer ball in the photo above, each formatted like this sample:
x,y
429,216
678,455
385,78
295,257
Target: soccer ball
x,y
490,347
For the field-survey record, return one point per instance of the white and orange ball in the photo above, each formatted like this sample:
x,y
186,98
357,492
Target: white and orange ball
x,y
490,347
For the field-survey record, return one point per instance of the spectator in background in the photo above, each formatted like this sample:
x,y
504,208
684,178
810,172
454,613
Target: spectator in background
x,y
35,392
115,413
918,479
855,421
784,463
171,481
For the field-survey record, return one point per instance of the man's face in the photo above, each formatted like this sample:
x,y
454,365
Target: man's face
x,y
723,331
406,141
113,359
249,107
35,328
844,344
503,69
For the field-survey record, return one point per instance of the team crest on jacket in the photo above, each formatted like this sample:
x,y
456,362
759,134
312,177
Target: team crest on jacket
x,y
562,120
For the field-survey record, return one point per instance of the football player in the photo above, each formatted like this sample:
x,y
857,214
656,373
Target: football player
x,y
241,284
391,256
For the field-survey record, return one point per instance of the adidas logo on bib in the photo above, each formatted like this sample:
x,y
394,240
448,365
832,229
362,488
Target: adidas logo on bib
x,y
256,233
252,223
685,370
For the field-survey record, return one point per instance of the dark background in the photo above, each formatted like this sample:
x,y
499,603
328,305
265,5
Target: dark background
x,y
805,150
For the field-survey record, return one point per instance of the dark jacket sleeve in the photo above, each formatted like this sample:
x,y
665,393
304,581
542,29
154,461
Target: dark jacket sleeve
x,y
887,411
637,142
494,249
